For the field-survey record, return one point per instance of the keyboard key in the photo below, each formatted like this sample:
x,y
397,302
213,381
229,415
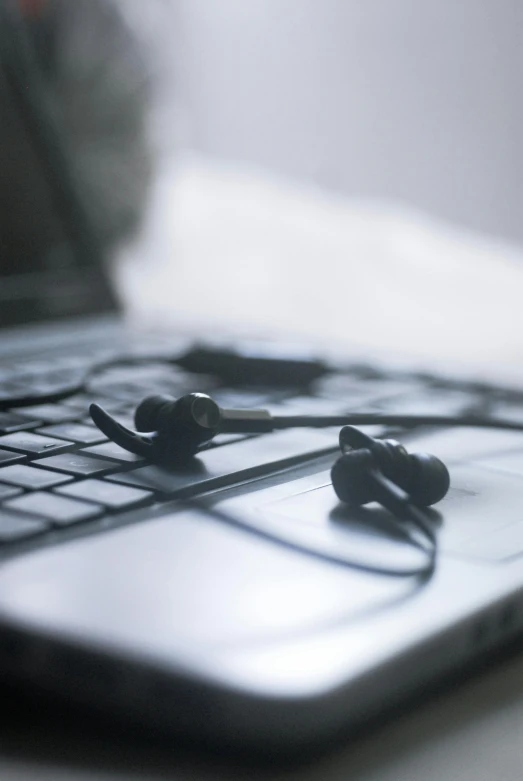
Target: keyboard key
x,y
8,457
82,403
14,527
357,392
50,413
112,451
124,391
227,439
75,432
77,402
33,444
221,466
110,495
237,398
9,422
507,411
429,402
33,367
126,419
308,405
60,510
77,464
463,444
31,477
8,491
10,391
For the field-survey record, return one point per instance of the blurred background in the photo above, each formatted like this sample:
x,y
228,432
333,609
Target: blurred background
x,y
418,102
343,171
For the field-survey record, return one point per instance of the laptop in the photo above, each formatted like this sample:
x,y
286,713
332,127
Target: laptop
x,y
203,599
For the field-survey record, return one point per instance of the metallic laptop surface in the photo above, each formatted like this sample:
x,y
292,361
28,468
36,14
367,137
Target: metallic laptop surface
x,y
229,595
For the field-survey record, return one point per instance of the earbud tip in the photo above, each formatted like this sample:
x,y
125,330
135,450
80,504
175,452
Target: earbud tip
x,y
350,477
430,480
146,413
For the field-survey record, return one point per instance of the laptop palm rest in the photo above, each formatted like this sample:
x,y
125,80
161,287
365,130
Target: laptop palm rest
x,y
208,602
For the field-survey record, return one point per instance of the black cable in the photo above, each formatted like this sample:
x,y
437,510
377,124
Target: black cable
x,y
423,571
391,419
423,522
278,421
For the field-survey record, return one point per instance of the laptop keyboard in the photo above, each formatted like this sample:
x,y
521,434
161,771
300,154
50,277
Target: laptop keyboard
x,y
57,470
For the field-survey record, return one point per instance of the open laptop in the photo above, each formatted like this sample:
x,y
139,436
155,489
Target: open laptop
x,y
200,600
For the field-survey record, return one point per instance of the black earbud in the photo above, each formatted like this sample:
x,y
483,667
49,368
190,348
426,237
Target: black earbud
x,y
172,429
384,471
192,420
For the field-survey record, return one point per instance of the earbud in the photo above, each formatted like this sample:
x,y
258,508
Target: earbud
x,y
193,419
175,429
370,469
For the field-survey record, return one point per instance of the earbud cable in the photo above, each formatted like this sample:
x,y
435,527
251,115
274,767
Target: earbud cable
x,y
391,419
276,421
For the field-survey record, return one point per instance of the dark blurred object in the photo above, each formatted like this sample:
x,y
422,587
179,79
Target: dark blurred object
x,y
251,363
93,82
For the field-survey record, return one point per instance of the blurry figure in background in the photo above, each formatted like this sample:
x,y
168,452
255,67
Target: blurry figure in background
x,y
94,72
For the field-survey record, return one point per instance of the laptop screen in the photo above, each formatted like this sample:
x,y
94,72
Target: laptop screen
x,y
42,275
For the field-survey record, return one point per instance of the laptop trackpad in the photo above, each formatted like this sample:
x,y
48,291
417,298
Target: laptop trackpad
x,y
480,518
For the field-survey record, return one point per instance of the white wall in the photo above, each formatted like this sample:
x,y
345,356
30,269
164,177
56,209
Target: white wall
x,y
419,100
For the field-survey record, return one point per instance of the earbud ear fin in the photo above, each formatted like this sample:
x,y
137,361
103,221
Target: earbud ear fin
x,y
133,441
352,438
